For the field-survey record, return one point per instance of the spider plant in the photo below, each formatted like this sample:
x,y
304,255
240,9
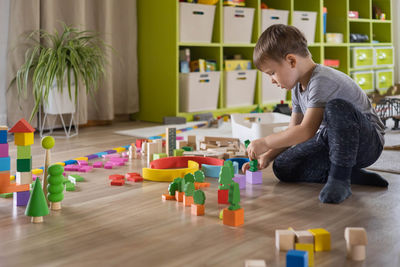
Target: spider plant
x,y
71,56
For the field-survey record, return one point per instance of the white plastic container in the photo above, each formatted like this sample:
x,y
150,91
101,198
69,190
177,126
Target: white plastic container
x,y
305,21
238,24
240,87
273,16
265,124
271,92
60,103
196,22
198,91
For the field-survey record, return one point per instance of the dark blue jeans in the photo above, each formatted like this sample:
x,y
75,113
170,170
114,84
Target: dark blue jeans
x,y
348,140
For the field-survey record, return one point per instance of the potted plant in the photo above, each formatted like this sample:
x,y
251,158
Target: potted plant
x,y
55,64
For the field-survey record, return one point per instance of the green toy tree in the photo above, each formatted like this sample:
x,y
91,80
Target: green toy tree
x,y
199,176
253,165
37,204
189,189
229,164
234,196
55,186
199,197
189,178
172,188
225,178
178,181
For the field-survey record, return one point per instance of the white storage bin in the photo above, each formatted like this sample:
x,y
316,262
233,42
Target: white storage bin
x,y
240,86
238,24
273,16
196,22
265,124
198,91
305,21
271,92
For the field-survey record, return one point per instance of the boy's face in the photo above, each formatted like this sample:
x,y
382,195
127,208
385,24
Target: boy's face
x,y
283,73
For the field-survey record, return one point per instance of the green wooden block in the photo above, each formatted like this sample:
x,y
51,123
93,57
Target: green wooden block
x,y
187,148
69,186
78,178
159,156
24,165
178,152
6,195
24,152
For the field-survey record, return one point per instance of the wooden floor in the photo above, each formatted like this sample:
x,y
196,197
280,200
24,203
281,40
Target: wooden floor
x,y
101,225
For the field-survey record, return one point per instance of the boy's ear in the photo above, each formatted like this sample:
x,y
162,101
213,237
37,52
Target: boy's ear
x,y
291,59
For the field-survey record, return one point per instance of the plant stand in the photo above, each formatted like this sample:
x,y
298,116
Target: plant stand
x,y
59,105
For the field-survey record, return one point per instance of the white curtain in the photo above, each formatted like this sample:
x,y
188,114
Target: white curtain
x,y
4,15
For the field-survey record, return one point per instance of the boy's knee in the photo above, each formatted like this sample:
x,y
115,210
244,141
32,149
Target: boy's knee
x,y
281,171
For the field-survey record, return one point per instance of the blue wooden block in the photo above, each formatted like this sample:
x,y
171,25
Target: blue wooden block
x,y
211,170
154,137
93,156
4,164
3,137
296,258
111,151
240,161
100,154
70,162
126,147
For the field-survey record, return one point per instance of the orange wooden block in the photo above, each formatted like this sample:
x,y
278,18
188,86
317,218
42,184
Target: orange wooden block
x,y
167,197
197,210
179,196
198,185
233,217
188,201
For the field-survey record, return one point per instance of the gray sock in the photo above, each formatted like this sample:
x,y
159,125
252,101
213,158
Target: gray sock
x,y
335,191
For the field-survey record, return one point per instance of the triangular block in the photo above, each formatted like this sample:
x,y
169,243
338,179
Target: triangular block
x,y
22,126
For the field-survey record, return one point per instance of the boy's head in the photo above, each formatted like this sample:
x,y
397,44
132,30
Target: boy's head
x,y
278,51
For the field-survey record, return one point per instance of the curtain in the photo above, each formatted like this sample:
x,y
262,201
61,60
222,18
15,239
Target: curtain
x,y
4,12
116,23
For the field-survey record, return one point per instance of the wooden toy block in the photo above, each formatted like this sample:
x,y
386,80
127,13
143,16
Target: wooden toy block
x,y
92,156
119,149
22,126
97,164
135,179
77,178
171,141
180,144
179,196
118,182
4,150
253,177
24,165
12,177
132,175
310,249
211,170
37,171
83,163
241,180
71,168
23,139
159,143
3,135
198,185
24,152
296,258
22,198
69,186
60,163
223,195
191,141
5,164
108,165
187,201
85,168
304,237
284,240
151,149
116,177
167,197
81,158
7,195
233,217
178,152
356,241
255,263
109,156
322,239
197,210
159,156
24,177
34,177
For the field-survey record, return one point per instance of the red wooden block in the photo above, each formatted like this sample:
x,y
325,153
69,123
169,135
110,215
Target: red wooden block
x,y
135,179
118,182
132,174
22,126
116,177
223,195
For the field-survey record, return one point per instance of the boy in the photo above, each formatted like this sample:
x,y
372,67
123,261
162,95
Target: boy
x,y
333,133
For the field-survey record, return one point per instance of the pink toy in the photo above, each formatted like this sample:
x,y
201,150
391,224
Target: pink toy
x,y
34,177
97,164
83,163
108,165
85,168
115,155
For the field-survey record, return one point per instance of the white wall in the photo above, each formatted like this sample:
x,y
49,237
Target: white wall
x,y
4,14
396,41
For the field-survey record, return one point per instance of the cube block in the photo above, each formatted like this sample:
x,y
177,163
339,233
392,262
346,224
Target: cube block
x,y
22,198
223,195
241,180
3,136
322,239
23,139
297,258
310,249
284,240
233,217
24,165
4,164
4,150
254,177
24,152
24,178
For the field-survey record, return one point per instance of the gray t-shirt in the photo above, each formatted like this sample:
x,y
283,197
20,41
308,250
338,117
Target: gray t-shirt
x,y
326,84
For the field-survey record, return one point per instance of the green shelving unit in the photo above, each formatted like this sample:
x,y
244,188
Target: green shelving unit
x,y
158,47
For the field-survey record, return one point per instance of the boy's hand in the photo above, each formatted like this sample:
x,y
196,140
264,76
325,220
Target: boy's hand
x,y
256,148
263,163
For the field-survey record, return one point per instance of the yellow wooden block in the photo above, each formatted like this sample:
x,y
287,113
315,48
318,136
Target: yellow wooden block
x,y
119,149
82,158
60,163
37,171
23,139
310,249
322,239
12,178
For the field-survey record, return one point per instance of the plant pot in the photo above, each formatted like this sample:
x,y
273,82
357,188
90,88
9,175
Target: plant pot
x,y
60,102
188,201
197,209
179,196
233,217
